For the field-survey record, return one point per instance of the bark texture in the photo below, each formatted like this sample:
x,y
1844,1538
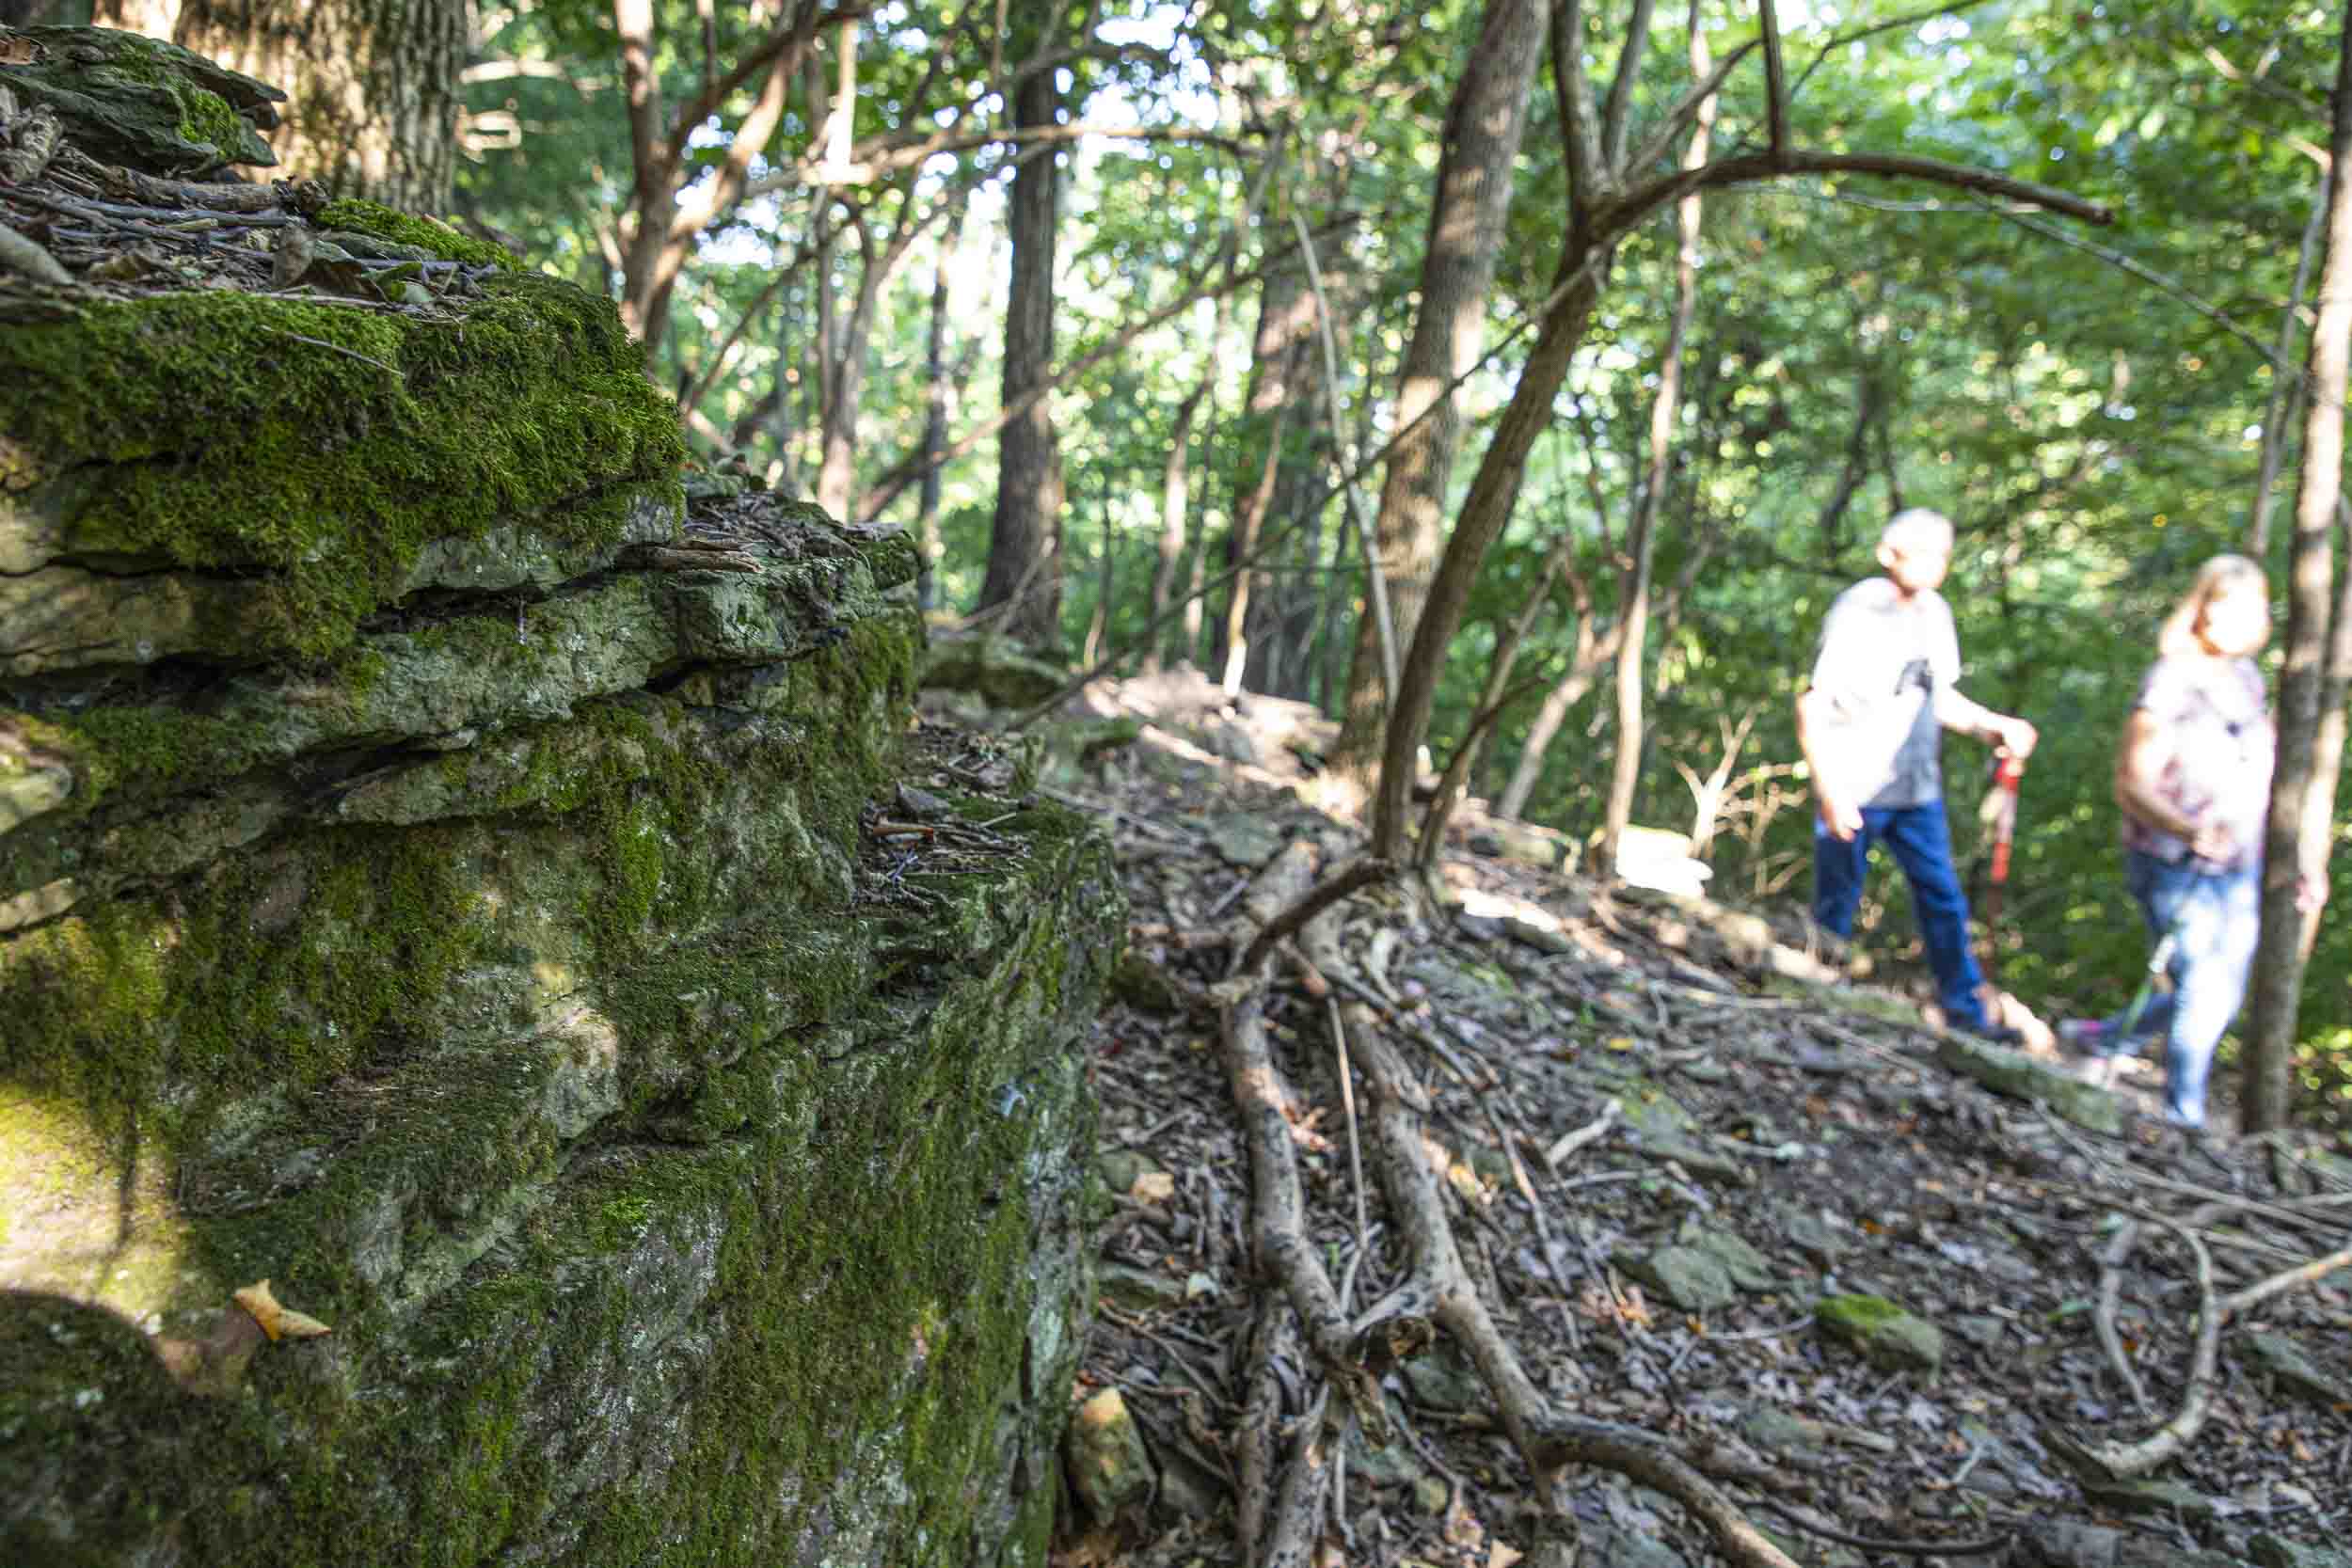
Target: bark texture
x,y
1024,538
1642,544
1281,378
1482,130
2302,792
370,86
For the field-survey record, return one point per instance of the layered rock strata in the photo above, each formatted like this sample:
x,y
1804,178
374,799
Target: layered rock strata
x,y
440,874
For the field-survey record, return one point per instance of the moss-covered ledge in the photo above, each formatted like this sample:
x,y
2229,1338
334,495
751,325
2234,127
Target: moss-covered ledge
x,y
800,1295
321,443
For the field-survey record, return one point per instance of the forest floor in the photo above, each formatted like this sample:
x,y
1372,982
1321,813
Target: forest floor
x,y
1659,1159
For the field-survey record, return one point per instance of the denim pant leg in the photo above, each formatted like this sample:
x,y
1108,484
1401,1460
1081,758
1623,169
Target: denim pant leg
x,y
1838,869
1923,848
2218,919
2142,874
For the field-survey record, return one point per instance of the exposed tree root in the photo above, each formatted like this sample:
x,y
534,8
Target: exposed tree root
x,y
2123,1461
1352,1355
2287,1279
2103,1321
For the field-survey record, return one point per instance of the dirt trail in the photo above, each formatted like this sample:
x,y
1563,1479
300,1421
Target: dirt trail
x,y
1669,1151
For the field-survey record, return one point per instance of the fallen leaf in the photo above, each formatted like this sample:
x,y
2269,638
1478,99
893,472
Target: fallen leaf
x,y
279,1323
1502,1555
1154,1186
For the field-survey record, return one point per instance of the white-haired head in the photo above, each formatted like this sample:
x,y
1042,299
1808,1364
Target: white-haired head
x,y
1916,528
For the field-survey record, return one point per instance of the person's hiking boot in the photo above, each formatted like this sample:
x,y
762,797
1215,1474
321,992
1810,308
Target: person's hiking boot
x,y
1993,1034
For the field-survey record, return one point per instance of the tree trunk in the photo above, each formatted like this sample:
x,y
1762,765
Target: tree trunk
x,y
1641,539
371,84
2284,389
1492,700
1175,500
927,546
1584,672
1278,378
1584,270
1025,539
665,221
1250,508
155,18
1480,143
1098,624
2299,810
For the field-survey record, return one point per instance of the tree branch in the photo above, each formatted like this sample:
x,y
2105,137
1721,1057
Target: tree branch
x,y
1580,120
1776,80
892,154
1756,168
1612,130
800,31
1678,119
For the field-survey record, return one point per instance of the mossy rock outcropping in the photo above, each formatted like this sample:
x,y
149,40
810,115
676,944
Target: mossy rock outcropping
x,y
432,880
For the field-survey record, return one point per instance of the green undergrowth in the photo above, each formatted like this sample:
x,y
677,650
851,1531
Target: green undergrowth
x,y
330,444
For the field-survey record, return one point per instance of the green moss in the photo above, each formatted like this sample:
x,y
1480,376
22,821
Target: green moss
x,y
385,223
108,748
1859,1312
206,120
329,444
850,1268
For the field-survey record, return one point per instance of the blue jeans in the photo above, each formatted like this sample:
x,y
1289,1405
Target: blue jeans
x,y
1922,846
2217,920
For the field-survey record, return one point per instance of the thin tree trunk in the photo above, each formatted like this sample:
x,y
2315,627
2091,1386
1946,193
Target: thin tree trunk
x,y
370,86
1643,538
665,221
1175,500
1577,285
837,470
2308,762
1278,378
1455,778
935,421
1250,509
1024,538
155,18
1593,653
1098,623
2285,390
1479,144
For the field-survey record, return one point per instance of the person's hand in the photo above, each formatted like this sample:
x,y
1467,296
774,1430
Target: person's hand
x,y
2211,841
2015,737
1841,817
2311,892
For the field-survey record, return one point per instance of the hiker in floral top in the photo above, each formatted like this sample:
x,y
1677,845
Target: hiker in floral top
x,y
2193,780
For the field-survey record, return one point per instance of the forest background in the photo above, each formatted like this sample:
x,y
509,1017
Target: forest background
x,y
1118,303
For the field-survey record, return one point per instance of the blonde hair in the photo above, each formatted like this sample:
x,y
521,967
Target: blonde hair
x,y
2214,578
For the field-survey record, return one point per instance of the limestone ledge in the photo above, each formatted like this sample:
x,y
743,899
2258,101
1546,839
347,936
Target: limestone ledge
x,y
119,792
57,614
293,467
726,1254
